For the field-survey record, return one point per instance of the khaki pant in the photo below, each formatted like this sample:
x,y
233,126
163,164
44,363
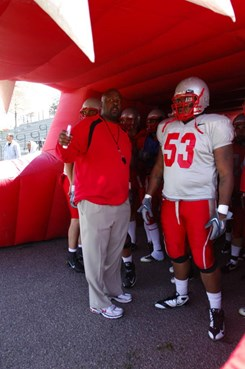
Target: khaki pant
x,y
104,230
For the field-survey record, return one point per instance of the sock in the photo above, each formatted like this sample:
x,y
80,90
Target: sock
x,y
80,246
228,236
72,250
235,252
147,233
181,286
214,300
155,236
128,259
132,231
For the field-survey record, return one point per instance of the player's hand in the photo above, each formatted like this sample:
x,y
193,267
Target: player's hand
x,y
146,209
64,139
217,226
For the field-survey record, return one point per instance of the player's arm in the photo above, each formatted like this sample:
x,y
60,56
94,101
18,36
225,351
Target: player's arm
x,y
156,176
224,163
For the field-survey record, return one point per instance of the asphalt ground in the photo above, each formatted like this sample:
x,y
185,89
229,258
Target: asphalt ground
x,y
45,320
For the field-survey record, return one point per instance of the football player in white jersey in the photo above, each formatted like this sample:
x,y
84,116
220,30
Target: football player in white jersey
x,y
196,148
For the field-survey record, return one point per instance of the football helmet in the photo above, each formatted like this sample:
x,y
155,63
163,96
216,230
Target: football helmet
x,y
90,107
190,98
153,119
130,119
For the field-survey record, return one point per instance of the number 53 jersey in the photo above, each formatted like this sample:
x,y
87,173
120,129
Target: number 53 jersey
x,y
189,170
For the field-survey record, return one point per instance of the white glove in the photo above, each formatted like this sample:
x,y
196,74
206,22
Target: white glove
x,y
218,226
146,209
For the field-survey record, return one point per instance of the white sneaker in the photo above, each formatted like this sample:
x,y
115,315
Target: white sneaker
x,y
123,298
111,312
149,258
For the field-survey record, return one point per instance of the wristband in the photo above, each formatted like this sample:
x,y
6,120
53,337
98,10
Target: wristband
x,y
223,209
147,196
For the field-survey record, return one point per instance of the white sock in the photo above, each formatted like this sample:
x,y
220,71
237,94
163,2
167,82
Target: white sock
x,y
128,259
148,236
214,299
72,250
235,251
228,236
158,255
80,246
132,230
181,286
155,236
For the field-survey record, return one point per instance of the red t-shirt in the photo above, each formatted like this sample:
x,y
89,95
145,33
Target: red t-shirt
x,y
102,170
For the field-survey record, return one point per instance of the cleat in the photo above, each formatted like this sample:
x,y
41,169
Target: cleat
x,y
229,267
171,269
217,326
149,258
111,312
172,302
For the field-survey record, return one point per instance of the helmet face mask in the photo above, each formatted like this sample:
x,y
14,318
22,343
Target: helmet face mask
x,y
129,121
191,97
153,119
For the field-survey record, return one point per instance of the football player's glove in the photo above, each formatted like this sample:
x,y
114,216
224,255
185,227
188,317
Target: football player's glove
x,y
146,209
217,225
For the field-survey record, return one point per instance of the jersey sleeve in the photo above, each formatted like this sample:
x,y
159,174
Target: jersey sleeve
x,y
221,131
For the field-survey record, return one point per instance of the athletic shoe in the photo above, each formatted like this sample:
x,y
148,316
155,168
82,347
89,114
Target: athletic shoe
x,y
129,278
171,269
226,247
217,326
149,258
229,267
75,264
172,302
123,298
111,312
242,311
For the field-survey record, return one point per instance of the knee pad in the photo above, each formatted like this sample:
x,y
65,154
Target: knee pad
x,y
180,259
209,270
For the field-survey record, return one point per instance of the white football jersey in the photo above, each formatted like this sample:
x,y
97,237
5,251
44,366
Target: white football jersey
x,y
189,167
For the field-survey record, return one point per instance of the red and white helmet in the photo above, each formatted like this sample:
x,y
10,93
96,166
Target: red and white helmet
x,y
130,119
153,119
191,97
90,107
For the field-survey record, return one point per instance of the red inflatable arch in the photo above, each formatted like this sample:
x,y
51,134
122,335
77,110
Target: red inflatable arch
x,y
143,48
